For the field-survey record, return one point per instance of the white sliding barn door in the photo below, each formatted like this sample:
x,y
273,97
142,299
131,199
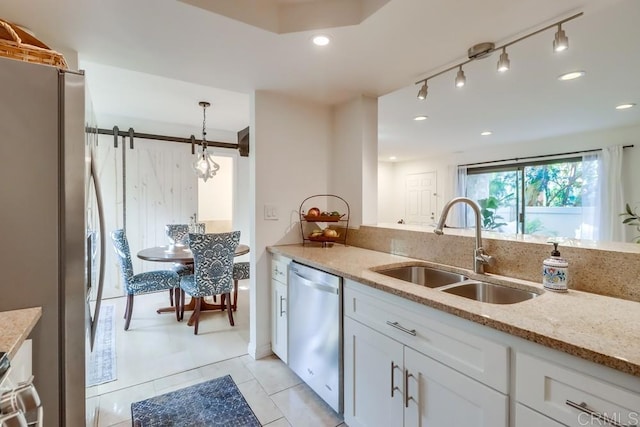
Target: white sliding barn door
x,y
420,200
161,189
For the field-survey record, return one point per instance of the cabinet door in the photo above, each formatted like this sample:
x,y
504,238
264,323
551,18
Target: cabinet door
x,y
372,377
279,319
21,364
441,396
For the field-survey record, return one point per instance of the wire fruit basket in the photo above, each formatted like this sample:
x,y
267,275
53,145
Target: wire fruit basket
x,y
324,219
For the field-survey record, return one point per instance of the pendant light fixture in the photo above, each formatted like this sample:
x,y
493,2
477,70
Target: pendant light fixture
x,y
204,165
483,50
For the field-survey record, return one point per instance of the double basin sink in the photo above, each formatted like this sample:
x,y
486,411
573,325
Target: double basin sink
x,y
458,284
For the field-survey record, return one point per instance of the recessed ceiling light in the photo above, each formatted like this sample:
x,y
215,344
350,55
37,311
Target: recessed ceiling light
x,y
572,75
321,40
625,106
392,158
486,133
420,118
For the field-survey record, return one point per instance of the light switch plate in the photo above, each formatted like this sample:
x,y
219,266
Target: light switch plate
x,y
270,212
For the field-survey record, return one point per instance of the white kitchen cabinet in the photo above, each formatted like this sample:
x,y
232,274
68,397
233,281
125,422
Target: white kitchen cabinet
x,y
574,397
279,291
21,364
440,396
373,368
390,384
526,417
440,373
454,344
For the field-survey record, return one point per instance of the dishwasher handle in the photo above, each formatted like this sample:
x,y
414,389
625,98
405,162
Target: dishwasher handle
x,y
319,286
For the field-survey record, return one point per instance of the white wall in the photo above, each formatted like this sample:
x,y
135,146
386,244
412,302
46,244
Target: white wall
x,y
353,163
215,196
289,157
386,190
242,203
369,160
445,165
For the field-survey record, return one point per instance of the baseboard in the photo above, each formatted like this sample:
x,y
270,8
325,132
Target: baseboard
x,y
259,352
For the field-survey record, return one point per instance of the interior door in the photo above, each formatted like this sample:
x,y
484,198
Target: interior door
x,y
160,188
420,198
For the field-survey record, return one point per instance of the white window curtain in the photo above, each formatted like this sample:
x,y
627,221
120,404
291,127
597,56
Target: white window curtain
x,y
457,218
611,195
590,224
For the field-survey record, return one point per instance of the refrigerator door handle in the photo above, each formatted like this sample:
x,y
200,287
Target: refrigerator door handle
x,y
96,186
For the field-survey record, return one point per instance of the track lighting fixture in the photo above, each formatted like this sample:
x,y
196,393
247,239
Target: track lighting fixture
x,y
482,50
560,41
422,93
460,78
503,63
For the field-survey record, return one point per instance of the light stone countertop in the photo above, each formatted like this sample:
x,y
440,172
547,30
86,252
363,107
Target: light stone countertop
x,y
15,327
597,328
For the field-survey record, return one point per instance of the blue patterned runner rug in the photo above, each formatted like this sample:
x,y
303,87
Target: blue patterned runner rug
x,y
212,403
101,366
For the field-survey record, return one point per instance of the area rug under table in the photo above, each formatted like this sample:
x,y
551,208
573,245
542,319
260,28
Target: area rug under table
x,y
213,403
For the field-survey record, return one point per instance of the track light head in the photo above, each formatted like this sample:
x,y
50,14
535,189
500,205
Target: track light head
x,y
560,41
503,63
422,93
461,80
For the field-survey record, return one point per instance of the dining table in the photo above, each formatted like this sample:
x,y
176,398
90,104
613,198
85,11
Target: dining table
x,y
181,254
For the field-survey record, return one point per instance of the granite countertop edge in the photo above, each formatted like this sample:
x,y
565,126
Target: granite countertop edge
x,y
15,327
563,322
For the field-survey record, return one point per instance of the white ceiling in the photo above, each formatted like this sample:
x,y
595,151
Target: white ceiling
x,y
155,59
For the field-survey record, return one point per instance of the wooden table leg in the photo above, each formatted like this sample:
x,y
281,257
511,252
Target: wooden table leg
x,y
206,306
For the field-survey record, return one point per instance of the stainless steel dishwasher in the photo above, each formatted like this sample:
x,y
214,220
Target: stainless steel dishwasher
x,y
315,331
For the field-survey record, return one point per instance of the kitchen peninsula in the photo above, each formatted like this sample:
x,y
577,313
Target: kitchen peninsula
x,y
545,361
583,324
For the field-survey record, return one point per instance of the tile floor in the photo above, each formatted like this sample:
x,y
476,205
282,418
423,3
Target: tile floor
x,y
157,355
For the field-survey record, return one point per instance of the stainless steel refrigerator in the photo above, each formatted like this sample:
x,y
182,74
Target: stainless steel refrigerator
x,y
45,246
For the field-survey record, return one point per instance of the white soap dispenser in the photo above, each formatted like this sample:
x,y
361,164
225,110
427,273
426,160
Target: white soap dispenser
x,y
555,272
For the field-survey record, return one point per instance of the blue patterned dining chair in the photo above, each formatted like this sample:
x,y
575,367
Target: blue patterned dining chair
x,y
240,272
142,283
213,271
178,234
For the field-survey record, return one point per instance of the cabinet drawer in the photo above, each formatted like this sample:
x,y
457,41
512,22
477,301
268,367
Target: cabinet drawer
x,y
279,269
526,417
555,390
421,328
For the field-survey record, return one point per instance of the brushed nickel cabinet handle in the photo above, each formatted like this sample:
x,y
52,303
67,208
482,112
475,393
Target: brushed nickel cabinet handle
x,y
582,406
407,398
402,328
281,310
393,386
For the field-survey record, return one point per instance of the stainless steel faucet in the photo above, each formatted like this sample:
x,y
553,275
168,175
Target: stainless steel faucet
x,y
480,257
